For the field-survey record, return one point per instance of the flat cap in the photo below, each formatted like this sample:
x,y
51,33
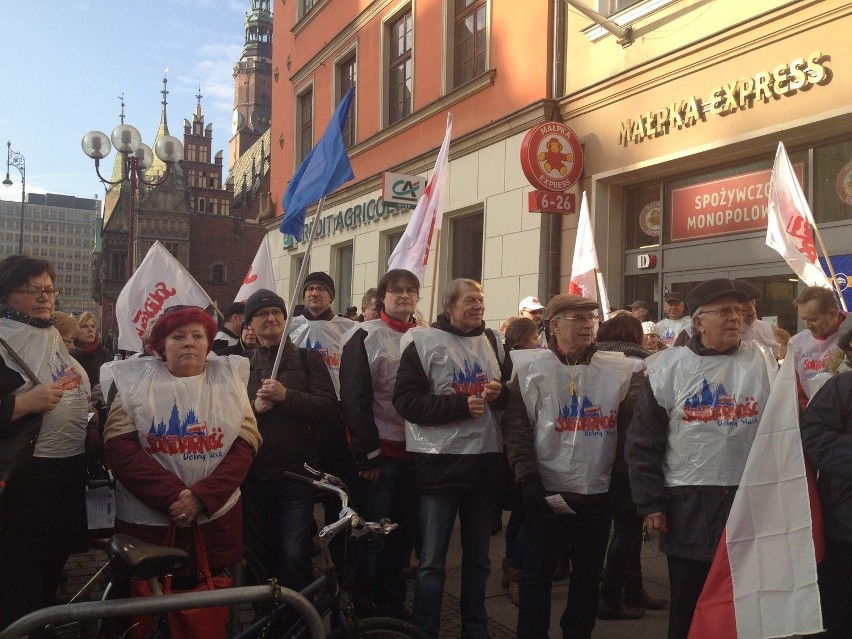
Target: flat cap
x,y
674,297
710,290
561,303
749,289
639,304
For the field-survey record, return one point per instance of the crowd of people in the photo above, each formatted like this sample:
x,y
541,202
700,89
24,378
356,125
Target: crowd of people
x,y
585,429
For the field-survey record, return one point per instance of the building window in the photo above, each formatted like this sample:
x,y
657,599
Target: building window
x,y
343,277
201,205
118,266
305,7
469,56
466,249
304,124
218,273
392,238
609,7
346,80
833,182
400,66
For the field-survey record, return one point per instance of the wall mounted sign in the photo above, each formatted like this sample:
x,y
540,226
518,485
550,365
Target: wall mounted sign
x,y
552,157
550,202
735,204
739,95
352,217
402,190
646,260
649,219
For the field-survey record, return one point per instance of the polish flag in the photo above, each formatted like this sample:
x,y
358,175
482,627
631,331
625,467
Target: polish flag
x,y
763,581
259,274
789,223
584,268
412,251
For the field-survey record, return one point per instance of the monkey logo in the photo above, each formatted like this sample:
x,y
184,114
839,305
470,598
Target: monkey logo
x,y
554,159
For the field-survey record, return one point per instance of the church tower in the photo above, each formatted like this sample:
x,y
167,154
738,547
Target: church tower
x,y
252,82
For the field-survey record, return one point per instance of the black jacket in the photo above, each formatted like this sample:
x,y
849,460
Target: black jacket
x,y
414,400
826,428
291,429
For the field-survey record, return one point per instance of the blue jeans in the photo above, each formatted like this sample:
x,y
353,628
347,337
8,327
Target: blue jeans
x,y
585,537
378,582
278,515
437,516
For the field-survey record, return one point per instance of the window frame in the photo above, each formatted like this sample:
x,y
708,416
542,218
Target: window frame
x,y
342,84
454,16
389,65
300,125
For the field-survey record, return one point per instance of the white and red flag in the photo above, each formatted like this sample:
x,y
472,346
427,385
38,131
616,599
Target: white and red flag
x,y
259,274
763,581
412,251
789,224
159,282
584,267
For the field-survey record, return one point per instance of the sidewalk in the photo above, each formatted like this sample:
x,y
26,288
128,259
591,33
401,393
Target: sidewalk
x,y
502,613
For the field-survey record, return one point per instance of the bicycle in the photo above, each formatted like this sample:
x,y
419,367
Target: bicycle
x,y
312,607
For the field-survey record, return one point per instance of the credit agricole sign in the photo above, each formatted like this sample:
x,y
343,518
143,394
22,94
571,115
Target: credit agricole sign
x,y
785,80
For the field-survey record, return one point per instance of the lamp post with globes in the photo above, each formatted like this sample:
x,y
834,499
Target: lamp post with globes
x,y
137,157
13,158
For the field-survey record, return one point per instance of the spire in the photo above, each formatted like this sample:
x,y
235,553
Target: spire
x,y
118,163
198,117
158,167
258,30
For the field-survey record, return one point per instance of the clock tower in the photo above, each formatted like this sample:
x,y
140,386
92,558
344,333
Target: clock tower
x,y
252,82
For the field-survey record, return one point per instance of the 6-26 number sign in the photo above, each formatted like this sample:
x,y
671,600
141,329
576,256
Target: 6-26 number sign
x,y
552,202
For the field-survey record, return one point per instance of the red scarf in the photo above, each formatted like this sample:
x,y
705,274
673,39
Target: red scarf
x,y
91,348
399,327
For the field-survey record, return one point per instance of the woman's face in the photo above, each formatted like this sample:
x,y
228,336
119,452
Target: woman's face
x,y
33,298
86,332
185,350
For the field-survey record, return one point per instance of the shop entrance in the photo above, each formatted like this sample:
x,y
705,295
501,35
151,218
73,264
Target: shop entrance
x,y
778,284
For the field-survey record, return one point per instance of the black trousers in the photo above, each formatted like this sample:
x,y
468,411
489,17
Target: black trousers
x,y
686,578
835,588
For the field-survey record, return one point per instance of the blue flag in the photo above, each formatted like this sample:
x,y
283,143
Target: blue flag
x,y
326,168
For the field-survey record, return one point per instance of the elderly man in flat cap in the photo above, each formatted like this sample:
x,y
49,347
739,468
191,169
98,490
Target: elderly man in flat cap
x,y
693,425
560,435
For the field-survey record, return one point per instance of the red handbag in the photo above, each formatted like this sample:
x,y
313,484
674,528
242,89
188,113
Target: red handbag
x,y
197,623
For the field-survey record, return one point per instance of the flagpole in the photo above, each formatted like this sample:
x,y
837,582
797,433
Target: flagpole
x,y
434,294
830,267
297,288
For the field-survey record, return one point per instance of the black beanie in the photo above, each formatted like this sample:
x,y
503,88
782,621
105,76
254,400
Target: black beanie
x,y
323,279
261,299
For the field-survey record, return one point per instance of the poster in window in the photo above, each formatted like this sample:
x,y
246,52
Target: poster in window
x,y
844,183
649,219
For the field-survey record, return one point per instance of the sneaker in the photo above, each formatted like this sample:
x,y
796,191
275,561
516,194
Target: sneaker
x,y
618,611
641,599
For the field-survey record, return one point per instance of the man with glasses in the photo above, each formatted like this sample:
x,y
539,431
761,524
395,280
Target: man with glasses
x,y
385,487
693,424
560,432
752,327
817,307
531,308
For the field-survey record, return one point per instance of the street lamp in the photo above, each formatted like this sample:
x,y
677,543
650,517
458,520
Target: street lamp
x,y
13,158
137,158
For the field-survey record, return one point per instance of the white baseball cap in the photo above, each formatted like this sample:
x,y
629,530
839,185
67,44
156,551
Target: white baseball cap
x,y
530,303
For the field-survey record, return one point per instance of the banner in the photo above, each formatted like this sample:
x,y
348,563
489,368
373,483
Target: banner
x,y
159,282
259,274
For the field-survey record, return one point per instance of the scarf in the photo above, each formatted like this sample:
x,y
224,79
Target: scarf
x,y
8,312
399,327
91,348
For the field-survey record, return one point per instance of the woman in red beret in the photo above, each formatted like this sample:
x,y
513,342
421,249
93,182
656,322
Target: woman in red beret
x,y
180,438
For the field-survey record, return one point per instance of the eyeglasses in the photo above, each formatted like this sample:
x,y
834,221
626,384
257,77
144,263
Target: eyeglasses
x,y
725,311
399,292
35,292
272,312
316,289
538,311
590,318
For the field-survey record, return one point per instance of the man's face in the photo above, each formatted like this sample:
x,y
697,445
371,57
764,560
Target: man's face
x,y
641,314
719,323
268,325
317,299
401,300
574,329
248,336
234,322
467,311
369,311
818,323
536,315
674,309
749,312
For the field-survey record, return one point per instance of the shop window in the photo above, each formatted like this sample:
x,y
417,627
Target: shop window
x,y
400,69
466,250
833,182
345,81
305,124
343,277
470,40
643,219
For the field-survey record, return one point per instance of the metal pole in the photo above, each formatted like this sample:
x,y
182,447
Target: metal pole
x,y
13,158
23,188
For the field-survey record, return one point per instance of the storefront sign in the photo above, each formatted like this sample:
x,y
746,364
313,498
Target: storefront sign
x,y
740,94
646,260
552,157
401,190
350,218
550,202
736,204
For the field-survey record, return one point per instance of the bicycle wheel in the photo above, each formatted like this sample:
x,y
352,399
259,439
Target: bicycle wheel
x,y
249,573
380,627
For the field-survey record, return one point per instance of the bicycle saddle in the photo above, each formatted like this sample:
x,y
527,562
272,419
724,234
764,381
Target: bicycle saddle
x,y
131,558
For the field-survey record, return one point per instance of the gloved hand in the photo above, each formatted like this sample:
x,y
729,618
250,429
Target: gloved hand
x,y
533,494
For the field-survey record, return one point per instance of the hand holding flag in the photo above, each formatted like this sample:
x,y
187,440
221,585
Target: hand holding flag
x,y
324,169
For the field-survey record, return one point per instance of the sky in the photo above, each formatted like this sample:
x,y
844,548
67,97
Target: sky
x,y
66,62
